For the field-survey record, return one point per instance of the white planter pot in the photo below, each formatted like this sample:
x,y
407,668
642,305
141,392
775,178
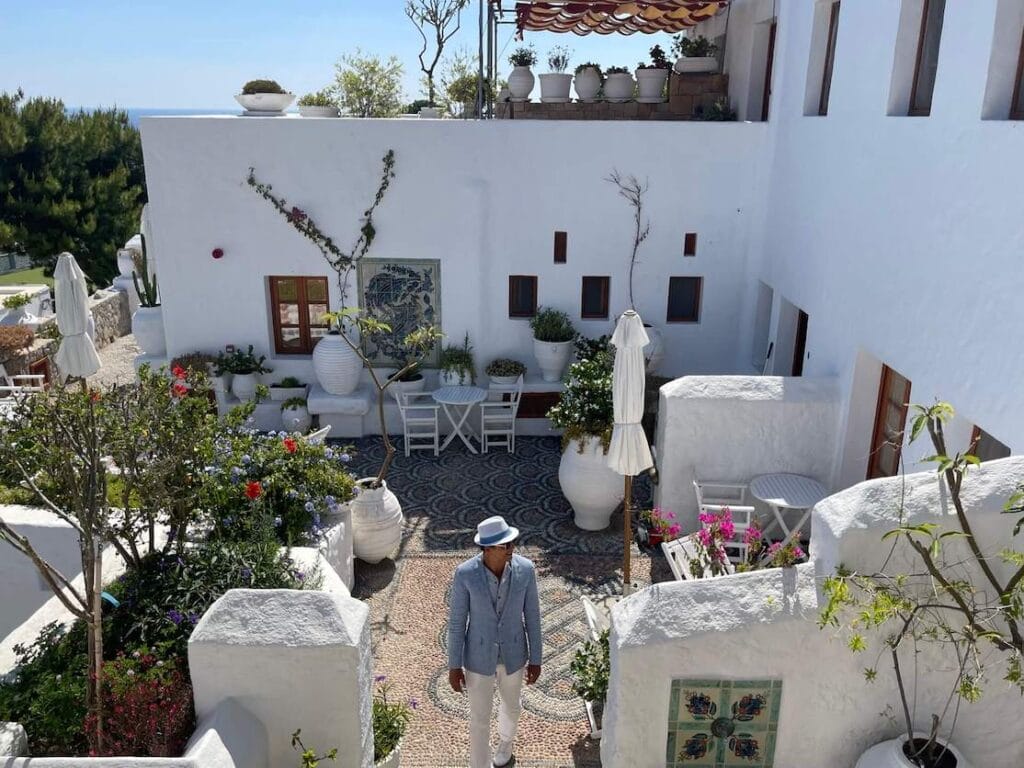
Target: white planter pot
x,y
221,384
148,329
454,379
587,84
618,87
243,385
376,521
312,111
889,754
280,394
591,487
695,64
520,83
337,366
554,87
397,388
392,759
552,357
19,316
650,84
265,102
504,381
296,419
654,350
125,265
430,113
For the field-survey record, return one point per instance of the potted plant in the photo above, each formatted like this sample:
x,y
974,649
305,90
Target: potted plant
x,y
520,81
694,54
651,77
585,415
717,111
659,525
16,313
264,97
553,335
287,388
295,416
148,320
505,372
390,719
588,82
554,85
457,366
590,669
245,369
319,104
618,84
199,362
409,377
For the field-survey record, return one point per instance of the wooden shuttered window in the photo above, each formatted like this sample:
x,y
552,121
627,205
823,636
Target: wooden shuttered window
x,y
297,305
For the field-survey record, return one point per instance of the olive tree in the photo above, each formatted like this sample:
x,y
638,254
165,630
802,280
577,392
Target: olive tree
x,y
437,21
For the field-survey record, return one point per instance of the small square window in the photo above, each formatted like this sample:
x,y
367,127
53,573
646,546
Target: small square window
x,y
561,247
299,305
522,295
684,299
594,299
690,244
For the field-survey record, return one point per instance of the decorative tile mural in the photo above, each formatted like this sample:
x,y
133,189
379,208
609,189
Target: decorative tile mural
x,y
404,293
719,723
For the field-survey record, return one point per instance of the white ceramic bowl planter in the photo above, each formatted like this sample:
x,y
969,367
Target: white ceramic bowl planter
x,y
337,366
889,754
398,388
554,87
504,381
593,489
296,418
552,357
312,111
587,84
266,103
148,329
376,521
695,64
520,83
650,85
618,87
243,385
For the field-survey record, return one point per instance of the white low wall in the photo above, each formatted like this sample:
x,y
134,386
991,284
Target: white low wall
x,y
733,428
763,625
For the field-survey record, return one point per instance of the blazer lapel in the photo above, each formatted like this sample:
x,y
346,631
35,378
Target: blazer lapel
x,y
509,586
484,583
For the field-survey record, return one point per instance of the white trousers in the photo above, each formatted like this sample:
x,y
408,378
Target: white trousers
x,y
480,689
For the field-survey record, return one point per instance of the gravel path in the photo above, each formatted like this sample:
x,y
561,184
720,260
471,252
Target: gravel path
x,y
116,363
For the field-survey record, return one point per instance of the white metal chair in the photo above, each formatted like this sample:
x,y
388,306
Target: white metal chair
x,y
498,417
713,496
318,437
419,421
597,620
679,552
14,387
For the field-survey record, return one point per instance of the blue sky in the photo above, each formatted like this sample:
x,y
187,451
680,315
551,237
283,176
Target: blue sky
x,y
145,53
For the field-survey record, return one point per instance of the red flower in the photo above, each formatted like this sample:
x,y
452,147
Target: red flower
x,y
178,389
295,215
253,490
94,395
178,371
290,445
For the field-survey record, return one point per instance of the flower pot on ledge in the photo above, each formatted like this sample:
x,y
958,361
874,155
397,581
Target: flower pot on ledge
x,y
889,754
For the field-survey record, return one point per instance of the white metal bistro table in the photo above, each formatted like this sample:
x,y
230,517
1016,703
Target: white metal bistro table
x,y
783,490
457,402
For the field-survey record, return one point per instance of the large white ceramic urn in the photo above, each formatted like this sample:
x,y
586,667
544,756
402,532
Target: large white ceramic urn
x,y
336,365
552,357
587,84
889,754
376,521
520,83
593,489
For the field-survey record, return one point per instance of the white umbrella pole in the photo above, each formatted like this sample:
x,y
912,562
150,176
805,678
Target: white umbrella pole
x,y
627,535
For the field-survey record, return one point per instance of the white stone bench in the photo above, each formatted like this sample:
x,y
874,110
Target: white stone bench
x,y
342,413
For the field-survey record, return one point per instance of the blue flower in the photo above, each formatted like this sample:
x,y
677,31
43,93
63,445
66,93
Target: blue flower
x,y
330,501
316,518
247,573
175,616
193,618
344,458
310,506
292,494
413,703
277,521
328,453
380,678
246,459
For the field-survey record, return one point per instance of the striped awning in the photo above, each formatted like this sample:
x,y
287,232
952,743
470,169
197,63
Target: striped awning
x,y
606,18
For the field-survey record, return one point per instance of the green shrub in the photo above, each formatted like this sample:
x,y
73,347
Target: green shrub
x,y
240,362
390,720
459,360
618,71
692,46
16,301
591,65
293,402
590,669
504,366
585,408
319,99
523,57
289,382
262,86
552,325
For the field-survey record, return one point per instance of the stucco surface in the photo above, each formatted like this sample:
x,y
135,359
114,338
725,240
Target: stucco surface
x,y
13,741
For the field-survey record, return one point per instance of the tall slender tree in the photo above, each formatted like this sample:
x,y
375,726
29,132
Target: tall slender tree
x,y
437,21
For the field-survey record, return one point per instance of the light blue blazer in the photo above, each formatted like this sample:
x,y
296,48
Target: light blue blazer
x,y
475,630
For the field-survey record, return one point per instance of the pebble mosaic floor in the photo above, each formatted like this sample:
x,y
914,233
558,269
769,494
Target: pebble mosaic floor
x,y
443,499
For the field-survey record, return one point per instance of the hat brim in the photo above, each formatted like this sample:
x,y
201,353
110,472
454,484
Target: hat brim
x,y
510,535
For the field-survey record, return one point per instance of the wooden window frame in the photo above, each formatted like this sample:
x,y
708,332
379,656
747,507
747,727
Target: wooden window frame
x,y
533,298
913,111
830,59
690,244
698,302
561,247
1017,100
879,425
768,67
306,339
602,313
976,434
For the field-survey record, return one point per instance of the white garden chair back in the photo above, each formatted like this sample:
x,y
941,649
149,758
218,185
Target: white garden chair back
x,y
679,552
715,495
419,421
25,382
498,416
318,437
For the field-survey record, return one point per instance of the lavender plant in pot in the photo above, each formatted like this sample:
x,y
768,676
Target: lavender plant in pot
x,y
554,85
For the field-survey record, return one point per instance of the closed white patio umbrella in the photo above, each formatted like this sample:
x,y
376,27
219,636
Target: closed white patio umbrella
x,y
77,355
629,454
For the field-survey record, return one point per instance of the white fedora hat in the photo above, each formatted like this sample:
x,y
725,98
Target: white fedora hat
x,y
494,531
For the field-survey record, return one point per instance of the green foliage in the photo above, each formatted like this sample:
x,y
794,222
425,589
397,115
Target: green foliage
x,y
464,89
390,719
262,86
414,107
689,47
718,111
241,362
525,56
68,182
366,86
617,71
585,408
459,359
443,18
147,293
293,402
552,325
308,756
591,65
323,98
558,58
17,301
590,669
289,382
194,361
658,60
503,366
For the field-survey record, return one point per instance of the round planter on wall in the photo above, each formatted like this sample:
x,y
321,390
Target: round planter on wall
x,y
520,83
504,381
650,84
696,64
318,111
618,87
398,388
591,487
554,87
336,365
265,103
243,385
654,350
587,84
454,379
296,419
376,521
889,754
552,357
148,329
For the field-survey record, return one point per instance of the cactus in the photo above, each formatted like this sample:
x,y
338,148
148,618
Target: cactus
x,y
148,292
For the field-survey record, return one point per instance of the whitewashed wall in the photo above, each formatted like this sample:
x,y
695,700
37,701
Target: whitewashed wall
x,y
763,625
485,198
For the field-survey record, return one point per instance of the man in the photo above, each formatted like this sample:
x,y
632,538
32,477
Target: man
x,y
493,638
